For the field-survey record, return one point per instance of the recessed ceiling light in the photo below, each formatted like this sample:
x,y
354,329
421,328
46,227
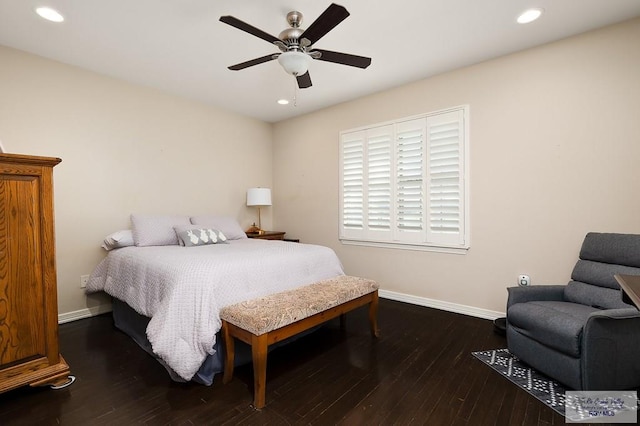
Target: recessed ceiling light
x,y
529,15
50,14
283,102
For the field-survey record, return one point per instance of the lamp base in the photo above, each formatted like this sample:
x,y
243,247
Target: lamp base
x,y
253,229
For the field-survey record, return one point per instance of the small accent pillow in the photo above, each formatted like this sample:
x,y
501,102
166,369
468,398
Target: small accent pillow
x,y
156,230
118,239
190,236
228,225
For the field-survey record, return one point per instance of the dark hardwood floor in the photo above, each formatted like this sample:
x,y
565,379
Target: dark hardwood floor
x,y
420,371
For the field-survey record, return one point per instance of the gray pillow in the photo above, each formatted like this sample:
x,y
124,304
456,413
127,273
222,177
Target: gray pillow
x,y
228,225
118,239
191,235
156,230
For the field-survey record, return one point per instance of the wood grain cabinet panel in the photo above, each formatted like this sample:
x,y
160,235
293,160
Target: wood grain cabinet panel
x,y
29,352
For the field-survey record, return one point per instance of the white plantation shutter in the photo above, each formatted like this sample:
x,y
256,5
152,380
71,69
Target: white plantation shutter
x,y
403,184
378,189
352,180
378,193
410,159
366,193
445,177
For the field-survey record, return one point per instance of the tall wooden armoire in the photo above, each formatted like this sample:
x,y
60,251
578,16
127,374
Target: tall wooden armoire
x,y
29,353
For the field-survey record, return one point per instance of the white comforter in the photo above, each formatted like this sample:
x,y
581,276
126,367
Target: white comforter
x,y
183,288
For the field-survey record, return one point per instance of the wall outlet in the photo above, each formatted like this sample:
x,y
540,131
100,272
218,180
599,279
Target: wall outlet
x,y
83,280
524,280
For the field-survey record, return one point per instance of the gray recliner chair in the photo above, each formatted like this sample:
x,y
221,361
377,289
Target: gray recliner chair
x,y
582,334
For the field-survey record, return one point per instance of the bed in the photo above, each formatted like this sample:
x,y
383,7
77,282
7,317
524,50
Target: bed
x,y
167,297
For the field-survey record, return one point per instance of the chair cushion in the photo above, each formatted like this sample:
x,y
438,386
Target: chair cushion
x,y
601,256
600,274
617,249
554,324
594,296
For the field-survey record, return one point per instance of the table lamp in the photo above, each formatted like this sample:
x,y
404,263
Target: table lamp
x,y
258,197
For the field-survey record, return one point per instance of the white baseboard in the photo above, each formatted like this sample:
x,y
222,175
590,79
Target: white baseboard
x,y
84,313
438,304
386,294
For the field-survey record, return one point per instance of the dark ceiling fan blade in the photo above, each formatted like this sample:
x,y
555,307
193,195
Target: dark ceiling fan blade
x,y
343,58
327,21
253,62
304,80
235,22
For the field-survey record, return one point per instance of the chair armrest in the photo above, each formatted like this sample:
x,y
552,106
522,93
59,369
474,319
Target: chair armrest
x,y
536,292
611,350
623,313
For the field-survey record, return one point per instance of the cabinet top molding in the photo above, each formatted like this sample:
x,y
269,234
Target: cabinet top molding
x,y
29,159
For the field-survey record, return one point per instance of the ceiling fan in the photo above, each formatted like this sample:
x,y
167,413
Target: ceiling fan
x,y
295,44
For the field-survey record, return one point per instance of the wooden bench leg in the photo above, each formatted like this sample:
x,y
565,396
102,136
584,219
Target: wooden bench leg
x,y
259,353
373,314
229,344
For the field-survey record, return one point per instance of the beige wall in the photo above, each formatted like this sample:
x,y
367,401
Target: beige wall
x,y
555,148
554,152
125,149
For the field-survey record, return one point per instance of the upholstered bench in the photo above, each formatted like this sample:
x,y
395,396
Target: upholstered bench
x,y
266,320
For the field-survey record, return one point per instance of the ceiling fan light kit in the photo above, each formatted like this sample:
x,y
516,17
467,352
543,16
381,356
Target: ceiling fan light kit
x,y
295,44
294,63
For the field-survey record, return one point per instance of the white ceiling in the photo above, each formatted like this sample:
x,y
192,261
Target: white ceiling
x,y
179,46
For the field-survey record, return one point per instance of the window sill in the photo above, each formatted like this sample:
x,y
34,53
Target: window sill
x,y
405,246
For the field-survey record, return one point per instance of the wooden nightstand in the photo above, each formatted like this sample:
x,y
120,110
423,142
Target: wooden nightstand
x,y
268,235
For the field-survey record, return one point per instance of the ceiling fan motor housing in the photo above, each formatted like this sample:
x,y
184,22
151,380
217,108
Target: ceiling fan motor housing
x,y
291,35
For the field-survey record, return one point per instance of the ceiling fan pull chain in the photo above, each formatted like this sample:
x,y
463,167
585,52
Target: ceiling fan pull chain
x,y
295,93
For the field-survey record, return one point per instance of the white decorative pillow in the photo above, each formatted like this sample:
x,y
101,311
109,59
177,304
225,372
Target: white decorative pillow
x,y
156,230
194,235
118,239
228,225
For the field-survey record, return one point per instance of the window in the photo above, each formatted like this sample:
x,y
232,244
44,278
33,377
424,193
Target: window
x,y
403,184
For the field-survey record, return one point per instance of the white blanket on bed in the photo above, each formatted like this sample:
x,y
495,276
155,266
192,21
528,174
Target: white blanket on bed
x,y
183,288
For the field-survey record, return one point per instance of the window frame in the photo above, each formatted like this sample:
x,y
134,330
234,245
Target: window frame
x,y
365,236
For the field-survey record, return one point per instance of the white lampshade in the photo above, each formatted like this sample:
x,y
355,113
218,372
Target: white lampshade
x,y
258,197
295,63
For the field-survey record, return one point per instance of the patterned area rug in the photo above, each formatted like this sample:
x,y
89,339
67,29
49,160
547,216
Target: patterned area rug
x,y
540,386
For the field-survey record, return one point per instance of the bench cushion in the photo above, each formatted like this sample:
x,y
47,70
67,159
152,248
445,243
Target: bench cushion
x,y
265,314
